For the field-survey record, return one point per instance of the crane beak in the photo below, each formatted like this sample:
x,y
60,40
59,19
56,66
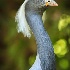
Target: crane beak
x,y
53,3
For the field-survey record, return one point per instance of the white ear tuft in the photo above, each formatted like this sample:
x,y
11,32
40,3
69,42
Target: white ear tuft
x,y
21,20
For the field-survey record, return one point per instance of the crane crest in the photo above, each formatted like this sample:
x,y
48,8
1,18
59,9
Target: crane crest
x,y
22,25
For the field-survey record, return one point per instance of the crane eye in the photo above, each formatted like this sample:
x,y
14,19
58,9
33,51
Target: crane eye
x,y
48,0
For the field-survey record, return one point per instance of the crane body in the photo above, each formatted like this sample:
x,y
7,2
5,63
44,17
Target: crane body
x,y
45,59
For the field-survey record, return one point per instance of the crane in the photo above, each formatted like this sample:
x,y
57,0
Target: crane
x,y
29,18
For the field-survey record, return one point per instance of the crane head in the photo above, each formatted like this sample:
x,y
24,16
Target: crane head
x,y
50,3
43,2
40,4
33,5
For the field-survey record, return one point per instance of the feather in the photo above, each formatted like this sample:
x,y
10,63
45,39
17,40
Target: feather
x,y
20,18
36,65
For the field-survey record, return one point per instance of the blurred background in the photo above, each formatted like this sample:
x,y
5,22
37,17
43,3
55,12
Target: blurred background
x,y
18,52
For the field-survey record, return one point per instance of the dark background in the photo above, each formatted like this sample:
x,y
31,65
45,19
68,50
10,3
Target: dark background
x,y
18,52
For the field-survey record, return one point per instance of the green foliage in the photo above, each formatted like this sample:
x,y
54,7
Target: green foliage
x,y
64,63
60,48
64,22
31,60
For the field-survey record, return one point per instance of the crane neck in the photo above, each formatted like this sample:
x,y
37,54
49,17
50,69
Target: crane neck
x,y
44,45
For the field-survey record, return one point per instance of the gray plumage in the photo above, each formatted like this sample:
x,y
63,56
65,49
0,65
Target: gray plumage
x,y
29,17
44,45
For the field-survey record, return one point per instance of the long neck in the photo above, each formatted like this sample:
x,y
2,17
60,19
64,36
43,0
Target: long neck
x,y
44,46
